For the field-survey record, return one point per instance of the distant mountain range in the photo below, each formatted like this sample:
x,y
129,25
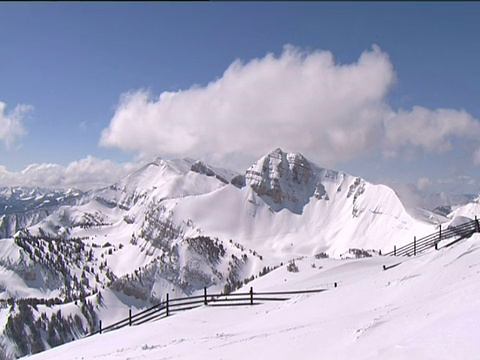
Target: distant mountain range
x,y
70,258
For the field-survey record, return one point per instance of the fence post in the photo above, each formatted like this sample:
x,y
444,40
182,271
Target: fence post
x,y
100,330
166,306
477,225
251,295
436,246
440,236
335,285
205,296
414,246
394,250
129,317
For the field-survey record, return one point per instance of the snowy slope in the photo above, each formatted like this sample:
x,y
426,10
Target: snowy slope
x,y
424,308
23,199
21,207
162,179
294,207
177,227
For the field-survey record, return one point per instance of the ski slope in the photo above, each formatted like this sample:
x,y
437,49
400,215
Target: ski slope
x,y
426,307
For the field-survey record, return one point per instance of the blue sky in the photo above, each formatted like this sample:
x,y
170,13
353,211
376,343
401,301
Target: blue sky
x,y
65,69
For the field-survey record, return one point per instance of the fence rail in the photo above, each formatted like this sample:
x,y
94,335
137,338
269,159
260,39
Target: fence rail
x,y
170,306
455,233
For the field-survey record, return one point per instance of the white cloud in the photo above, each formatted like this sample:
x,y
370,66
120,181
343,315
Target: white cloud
x,y
83,174
476,157
423,183
299,101
409,194
430,130
11,124
458,182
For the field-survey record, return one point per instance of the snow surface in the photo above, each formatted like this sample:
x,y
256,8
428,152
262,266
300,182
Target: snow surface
x,y
332,213
425,307
282,208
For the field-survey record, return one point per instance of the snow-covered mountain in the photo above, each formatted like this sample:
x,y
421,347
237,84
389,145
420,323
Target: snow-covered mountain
x,y
179,226
23,199
21,207
439,203
423,307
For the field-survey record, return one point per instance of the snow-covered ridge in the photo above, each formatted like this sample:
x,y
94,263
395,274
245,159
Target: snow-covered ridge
x,y
21,207
178,226
23,199
423,307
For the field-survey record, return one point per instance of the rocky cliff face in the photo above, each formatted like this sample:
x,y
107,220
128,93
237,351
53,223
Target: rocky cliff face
x,y
282,179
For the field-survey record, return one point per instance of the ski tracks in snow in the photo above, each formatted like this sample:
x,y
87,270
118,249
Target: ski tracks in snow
x,y
377,321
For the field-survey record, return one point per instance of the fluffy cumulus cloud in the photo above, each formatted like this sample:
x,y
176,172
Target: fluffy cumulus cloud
x,y
299,101
11,124
430,130
83,174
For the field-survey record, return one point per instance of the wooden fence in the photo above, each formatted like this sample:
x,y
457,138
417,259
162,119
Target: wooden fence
x,y
171,306
454,233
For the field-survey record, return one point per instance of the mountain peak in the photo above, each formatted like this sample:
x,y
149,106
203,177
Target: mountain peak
x,y
281,177
278,151
157,161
